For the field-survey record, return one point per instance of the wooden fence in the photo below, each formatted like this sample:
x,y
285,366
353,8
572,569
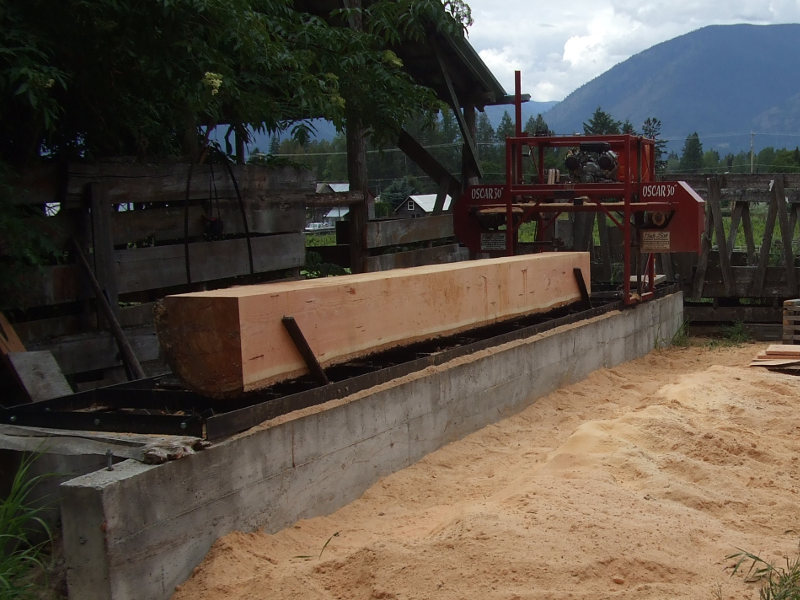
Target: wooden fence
x,y
748,265
148,230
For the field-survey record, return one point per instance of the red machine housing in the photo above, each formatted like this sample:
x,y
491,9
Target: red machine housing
x,y
612,174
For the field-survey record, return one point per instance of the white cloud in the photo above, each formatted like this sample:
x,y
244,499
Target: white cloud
x,y
560,46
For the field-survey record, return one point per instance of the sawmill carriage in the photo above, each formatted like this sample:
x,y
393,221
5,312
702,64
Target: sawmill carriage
x,y
612,176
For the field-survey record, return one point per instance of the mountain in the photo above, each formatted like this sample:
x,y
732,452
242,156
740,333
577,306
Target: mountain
x,y
722,81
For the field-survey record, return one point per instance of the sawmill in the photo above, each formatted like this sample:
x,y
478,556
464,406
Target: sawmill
x,y
302,393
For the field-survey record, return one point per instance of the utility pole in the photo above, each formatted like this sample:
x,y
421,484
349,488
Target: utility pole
x,y
752,154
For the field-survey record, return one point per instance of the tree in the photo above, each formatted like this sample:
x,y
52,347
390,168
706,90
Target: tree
x,y
651,128
537,126
484,131
711,161
627,127
505,129
692,155
146,78
601,123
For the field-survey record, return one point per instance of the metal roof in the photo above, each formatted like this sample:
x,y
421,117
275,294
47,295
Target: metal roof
x,y
473,82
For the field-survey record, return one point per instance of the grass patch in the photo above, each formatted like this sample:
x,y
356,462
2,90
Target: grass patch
x,y
731,335
778,583
21,525
681,337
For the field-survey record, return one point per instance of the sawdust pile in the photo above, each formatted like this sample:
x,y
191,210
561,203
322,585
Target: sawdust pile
x,y
635,483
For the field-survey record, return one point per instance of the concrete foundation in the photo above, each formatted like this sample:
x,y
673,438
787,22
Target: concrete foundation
x,y
139,530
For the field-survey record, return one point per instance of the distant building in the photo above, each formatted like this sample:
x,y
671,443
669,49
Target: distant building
x,y
327,188
419,205
324,219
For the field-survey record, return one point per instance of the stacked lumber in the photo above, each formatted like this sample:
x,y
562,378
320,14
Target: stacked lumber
x,y
778,356
226,342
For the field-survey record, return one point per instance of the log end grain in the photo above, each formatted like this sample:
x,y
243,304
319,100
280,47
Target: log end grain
x,y
202,343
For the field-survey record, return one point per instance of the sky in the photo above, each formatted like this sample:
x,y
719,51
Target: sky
x,y
559,46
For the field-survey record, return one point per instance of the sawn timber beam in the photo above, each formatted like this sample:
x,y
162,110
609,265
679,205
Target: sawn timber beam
x,y
224,343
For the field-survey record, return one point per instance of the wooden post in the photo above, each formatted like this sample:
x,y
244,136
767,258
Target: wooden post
x,y
469,174
105,269
766,245
719,229
357,167
702,262
786,236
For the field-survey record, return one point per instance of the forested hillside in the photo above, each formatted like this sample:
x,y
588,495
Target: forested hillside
x,y
722,82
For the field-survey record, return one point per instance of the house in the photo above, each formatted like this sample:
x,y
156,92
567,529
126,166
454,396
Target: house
x,y
324,219
419,205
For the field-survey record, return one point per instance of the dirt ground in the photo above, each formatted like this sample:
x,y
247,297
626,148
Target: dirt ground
x,y
637,482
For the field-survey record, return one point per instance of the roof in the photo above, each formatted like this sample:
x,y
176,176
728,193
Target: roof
x,y
323,187
427,201
338,212
472,80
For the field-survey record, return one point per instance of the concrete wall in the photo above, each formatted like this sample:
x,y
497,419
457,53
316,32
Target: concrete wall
x,y
138,531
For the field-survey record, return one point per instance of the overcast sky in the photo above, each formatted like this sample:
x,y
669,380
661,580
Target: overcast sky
x,y
560,45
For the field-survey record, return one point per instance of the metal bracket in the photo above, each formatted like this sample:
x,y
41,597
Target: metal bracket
x,y
576,271
301,343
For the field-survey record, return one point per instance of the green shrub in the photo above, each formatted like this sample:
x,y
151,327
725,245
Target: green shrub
x,y
21,526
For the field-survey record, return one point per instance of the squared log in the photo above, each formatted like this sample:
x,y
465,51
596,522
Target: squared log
x,y
226,342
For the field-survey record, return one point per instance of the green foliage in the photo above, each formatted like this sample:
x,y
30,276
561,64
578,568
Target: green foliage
x,y
601,123
110,77
505,129
537,126
681,337
778,583
651,128
315,268
20,523
692,155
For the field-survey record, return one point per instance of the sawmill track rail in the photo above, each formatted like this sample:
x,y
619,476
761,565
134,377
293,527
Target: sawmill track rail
x,y
160,405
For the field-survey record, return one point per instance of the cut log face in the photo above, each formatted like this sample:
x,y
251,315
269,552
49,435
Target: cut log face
x,y
226,342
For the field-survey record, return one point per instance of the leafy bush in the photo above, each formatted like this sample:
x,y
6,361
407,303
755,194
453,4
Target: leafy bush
x,y
20,528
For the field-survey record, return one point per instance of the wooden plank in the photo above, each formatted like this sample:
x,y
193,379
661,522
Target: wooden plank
x,y
162,223
39,375
774,362
783,350
226,342
731,314
164,266
139,182
772,279
9,340
408,231
96,350
437,255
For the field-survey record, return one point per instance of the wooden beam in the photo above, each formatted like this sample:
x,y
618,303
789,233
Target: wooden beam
x,y
455,103
408,231
227,342
428,163
437,255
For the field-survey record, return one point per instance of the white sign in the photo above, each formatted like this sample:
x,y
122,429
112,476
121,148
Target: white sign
x,y
486,192
661,190
493,241
655,241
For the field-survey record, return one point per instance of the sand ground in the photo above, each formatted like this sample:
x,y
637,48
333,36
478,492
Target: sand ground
x,y
637,482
